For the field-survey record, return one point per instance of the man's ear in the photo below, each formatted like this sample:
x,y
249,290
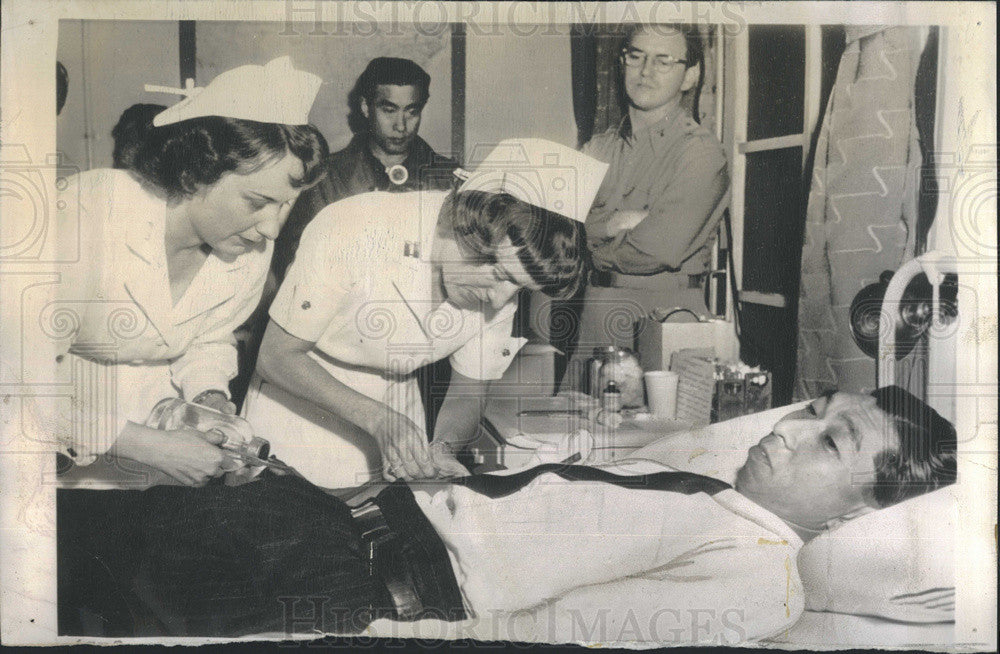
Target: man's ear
x,y
691,77
364,108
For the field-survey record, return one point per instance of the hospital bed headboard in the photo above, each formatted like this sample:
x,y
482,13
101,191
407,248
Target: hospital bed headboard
x,y
942,342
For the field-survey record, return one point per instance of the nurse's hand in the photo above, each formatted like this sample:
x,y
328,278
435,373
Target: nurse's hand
x,y
191,462
405,453
443,454
215,400
188,456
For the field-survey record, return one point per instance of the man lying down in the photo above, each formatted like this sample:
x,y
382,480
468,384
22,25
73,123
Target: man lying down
x,y
670,556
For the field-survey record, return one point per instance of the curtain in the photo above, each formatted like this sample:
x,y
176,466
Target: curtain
x,y
862,214
597,97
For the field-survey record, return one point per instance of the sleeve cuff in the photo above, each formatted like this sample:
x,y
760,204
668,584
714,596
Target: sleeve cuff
x,y
81,424
194,388
304,311
486,361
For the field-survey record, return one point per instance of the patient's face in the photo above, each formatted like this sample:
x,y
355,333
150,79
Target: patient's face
x,y
815,465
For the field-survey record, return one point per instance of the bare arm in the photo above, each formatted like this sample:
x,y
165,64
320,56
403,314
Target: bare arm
x,y
284,360
461,411
458,420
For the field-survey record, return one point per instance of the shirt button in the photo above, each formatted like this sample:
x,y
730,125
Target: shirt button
x,y
306,304
505,352
59,358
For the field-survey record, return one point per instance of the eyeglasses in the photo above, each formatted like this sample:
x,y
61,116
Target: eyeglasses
x,y
661,63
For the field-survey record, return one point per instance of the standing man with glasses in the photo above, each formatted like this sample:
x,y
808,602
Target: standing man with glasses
x,y
651,225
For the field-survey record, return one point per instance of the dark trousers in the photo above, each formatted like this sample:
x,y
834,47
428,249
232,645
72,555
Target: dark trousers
x,y
274,555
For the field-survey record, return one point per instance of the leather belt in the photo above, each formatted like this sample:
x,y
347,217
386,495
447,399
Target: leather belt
x,y
386,560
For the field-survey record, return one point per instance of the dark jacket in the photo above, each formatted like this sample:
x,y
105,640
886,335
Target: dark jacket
x,y
355,170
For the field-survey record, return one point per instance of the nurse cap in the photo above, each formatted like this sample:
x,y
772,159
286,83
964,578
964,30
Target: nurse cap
x,y
272,93
540,172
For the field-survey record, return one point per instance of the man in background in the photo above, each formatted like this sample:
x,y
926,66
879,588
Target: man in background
x,y
655,215
386,153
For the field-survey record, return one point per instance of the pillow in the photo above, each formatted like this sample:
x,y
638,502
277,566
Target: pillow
x,y
895,563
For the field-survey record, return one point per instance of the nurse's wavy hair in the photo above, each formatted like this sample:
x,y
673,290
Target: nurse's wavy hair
x,y
925,457
551,247
184,157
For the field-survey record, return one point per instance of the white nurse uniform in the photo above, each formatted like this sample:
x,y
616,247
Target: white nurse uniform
x,y
360,289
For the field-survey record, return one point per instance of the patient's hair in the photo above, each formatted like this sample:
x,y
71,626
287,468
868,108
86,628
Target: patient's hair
x,y
925,459
551,247
181,158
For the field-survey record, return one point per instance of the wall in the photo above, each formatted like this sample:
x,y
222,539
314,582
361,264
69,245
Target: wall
x,y
338,57
108,64
517,86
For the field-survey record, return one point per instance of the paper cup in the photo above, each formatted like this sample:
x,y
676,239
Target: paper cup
x,y
661,393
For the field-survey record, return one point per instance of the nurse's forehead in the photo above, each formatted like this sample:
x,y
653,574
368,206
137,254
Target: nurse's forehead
x,y
273,179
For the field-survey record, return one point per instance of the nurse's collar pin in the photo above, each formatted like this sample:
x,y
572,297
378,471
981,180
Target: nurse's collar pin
x,y
411,249
398,174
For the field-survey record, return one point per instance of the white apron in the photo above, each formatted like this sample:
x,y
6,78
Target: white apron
x,y
328,450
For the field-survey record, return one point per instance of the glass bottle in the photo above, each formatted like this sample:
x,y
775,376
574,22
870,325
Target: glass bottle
x,y
622,367
175,413
611,398
594,364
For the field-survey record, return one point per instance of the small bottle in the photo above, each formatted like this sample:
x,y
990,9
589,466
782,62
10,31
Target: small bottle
x,y
611,398
594,364
175,413
622,367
